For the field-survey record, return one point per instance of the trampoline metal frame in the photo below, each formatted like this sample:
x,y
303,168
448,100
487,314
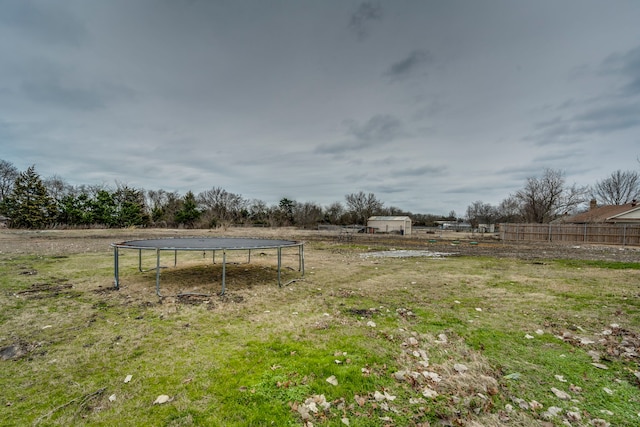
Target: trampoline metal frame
x,y
132,245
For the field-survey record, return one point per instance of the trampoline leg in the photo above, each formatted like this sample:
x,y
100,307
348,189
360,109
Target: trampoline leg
x,y
301,259
116,269
140,260
224,272
279,265
158,272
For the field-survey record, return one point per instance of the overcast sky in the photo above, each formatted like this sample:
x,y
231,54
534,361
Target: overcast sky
x,y
430,105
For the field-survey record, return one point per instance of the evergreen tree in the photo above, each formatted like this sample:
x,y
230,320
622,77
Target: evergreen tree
x,y
130,207
188,213
76,210
103,208
29,205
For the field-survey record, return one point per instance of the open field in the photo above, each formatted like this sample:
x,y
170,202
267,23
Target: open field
x,y
489,335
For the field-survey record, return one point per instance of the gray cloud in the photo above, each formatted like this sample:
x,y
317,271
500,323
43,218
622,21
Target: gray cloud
x,y
405,67
361,18
48,22
378,130
52,91
608,118
389,188
420,171
628,65
597,120
611,111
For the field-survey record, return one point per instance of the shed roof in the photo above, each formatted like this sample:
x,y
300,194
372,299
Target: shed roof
x,y
629,212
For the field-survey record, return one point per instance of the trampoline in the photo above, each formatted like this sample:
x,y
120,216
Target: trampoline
x,y
212,244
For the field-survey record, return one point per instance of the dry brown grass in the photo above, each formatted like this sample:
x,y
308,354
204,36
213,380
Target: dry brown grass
x,y
72,325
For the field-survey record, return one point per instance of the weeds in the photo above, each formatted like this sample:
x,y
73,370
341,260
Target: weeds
x,y
403,341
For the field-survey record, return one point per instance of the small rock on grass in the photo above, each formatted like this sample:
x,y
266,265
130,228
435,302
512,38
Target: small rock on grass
x,y
429,393
163,398
433,376
379,397
522,404
574,416
535,405
562,395
553,411
332,380
460,368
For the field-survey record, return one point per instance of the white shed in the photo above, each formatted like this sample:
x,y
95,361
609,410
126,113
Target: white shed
x,y
390,224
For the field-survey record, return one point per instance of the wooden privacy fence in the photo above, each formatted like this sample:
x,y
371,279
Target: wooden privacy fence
x,y
608,234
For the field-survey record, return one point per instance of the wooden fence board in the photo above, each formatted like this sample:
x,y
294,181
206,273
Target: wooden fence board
x,y
609,234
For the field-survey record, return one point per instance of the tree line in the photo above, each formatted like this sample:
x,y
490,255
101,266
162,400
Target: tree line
x,y
29,201
548,197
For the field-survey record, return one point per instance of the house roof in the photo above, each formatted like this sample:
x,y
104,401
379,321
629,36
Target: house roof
x,y
629,212
389,218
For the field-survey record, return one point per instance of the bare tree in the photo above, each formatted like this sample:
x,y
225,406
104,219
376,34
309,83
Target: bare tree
x,y
8,175
58,188
509,210
395,211
163,206
307,215
361,206
334,213
618,189
544,199
258,212
221,207
481,213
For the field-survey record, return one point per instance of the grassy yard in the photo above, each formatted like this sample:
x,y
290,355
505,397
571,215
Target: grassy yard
x,y
359,341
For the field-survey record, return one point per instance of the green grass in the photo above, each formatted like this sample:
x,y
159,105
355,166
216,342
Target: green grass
x,y
256,356
612,265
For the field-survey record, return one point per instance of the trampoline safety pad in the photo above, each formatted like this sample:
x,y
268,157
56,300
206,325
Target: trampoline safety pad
x,y
213,244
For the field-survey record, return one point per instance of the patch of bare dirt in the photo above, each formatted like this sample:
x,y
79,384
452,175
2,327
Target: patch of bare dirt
x,y
17,350
44,290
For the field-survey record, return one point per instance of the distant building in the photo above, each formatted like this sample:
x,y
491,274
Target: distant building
x,y
628,213
389,224
4,221
454,225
